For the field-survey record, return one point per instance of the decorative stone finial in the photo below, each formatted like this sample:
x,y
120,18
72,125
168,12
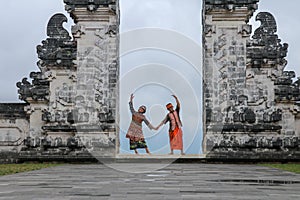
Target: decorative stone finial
x,y
55,27
268,25
58,50
265,44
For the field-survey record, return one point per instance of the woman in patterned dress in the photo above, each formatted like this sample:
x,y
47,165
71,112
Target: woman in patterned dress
x,y
135,132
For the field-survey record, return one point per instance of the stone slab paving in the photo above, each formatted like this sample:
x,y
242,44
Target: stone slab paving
x,y
151,181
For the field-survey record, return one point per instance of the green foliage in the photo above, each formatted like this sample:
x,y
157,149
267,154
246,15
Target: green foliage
x,y
6,169
287,167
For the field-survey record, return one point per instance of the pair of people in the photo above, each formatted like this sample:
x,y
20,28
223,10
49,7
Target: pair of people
x,y
135,132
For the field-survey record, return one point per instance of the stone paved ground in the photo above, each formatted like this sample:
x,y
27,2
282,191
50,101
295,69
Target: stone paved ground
x,y
162,181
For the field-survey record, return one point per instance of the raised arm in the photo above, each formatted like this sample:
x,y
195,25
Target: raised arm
x,y
177,102
131,104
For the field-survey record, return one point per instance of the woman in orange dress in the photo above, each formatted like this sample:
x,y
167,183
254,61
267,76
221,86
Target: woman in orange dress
x,y
135,132
175,131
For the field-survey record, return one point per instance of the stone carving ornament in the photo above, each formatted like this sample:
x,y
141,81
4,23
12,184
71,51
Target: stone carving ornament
x,y
230,4
265,44
58,50
91,5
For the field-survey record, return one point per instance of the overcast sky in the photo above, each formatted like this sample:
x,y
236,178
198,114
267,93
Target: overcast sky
x,y
23,27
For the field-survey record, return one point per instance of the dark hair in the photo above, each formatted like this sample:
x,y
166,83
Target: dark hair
x,y
169,105
143,107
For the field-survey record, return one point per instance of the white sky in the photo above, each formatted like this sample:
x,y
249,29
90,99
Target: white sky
x,y
23,27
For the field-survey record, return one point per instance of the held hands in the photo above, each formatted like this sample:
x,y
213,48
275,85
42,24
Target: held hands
x,y
156,128
153,128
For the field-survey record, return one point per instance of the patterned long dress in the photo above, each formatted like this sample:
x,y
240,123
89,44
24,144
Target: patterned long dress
x,y
135,132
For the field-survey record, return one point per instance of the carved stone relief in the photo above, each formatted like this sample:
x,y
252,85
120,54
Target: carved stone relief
x,y
246,82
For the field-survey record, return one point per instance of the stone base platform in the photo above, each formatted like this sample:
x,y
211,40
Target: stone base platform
x,y
152,181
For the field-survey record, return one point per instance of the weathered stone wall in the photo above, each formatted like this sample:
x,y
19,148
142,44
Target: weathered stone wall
x,y
14,126
250,102
73,98
96,34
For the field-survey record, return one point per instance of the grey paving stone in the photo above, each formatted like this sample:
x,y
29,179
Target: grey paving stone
x,y
175,181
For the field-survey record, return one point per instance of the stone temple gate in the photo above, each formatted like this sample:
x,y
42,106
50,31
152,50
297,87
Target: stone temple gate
x,y
251,106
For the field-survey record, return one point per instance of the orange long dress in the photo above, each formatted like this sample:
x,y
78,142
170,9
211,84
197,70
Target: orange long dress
x,y
175,131
176,139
